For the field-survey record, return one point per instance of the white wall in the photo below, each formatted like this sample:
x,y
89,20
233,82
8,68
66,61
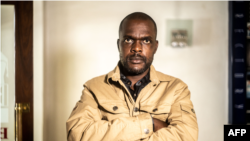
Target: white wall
x,y
80,43
38,54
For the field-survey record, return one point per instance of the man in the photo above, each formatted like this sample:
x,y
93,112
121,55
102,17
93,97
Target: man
x,y
134,101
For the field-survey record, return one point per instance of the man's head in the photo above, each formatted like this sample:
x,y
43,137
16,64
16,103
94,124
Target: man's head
x,y
137,42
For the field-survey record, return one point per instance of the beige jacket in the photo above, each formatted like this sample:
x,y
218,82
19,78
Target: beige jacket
x,y
107,112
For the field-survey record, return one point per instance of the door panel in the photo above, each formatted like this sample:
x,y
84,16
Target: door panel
x,y
7,73
23,62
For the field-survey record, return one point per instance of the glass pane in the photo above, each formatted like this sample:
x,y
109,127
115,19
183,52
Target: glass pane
x,y
7,73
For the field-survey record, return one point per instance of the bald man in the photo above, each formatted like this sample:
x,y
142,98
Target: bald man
x,y
134,101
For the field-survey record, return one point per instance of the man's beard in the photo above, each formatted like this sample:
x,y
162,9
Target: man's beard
x,y
132,71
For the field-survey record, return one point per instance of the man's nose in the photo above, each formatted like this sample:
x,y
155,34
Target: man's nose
x,y
137,46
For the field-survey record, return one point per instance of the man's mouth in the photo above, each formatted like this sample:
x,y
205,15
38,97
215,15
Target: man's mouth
x,y
136,60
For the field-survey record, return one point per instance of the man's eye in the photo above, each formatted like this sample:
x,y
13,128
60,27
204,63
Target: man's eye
x,y
128,41
146,41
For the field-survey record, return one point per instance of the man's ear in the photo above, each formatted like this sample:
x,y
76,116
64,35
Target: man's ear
x,y
118,44
156,46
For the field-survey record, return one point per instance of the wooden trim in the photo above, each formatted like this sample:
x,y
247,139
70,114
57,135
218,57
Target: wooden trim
x,y
24,63
7,1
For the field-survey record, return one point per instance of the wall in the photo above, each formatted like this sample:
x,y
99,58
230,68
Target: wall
x,y
80,43
38,54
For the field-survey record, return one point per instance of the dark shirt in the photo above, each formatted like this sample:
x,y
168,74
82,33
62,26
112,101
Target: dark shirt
x,y
139,85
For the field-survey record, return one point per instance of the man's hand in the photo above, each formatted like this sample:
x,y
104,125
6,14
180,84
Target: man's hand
x,y
158,124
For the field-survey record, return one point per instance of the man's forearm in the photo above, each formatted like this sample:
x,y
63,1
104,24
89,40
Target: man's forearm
x,y
124,128
158,124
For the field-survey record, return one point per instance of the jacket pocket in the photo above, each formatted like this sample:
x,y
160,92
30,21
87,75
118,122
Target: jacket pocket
x,y
160,112
188,115
112,110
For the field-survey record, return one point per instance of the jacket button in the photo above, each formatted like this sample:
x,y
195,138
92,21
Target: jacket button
x,y
146,131
138,84
136,109
193,110
115,108
155,110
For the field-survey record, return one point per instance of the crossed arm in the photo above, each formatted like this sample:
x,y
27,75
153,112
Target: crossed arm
x,y
86,124
158,124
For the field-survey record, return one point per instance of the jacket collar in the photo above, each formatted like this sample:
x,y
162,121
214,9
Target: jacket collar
x,y
155,76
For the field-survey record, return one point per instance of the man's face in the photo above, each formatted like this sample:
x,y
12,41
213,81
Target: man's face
x,y
137,45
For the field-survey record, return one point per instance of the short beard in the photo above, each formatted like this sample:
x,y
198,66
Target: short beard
x,y
131,71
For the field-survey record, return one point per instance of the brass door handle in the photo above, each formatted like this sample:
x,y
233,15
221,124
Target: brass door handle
x,y
19,109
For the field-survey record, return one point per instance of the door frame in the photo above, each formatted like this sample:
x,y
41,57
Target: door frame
x,y
24,61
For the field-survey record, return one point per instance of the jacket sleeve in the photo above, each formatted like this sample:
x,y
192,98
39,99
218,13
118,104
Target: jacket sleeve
x,y
85,123
182,120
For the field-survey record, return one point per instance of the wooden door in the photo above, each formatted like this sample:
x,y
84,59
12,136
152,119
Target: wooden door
x,y
24,62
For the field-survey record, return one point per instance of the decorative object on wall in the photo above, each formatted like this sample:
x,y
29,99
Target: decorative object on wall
x,y
179,38
179,33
